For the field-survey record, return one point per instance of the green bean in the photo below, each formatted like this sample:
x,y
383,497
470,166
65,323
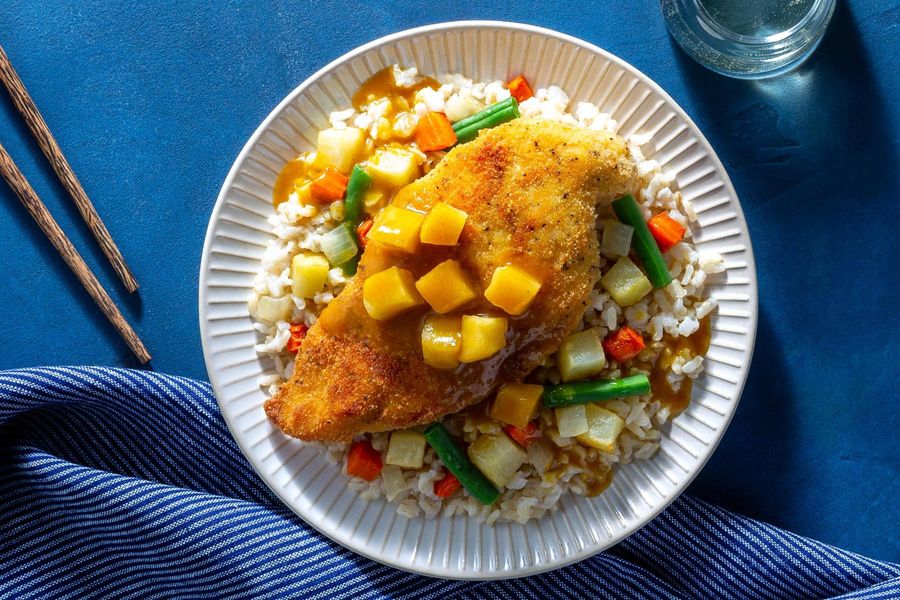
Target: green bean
x,y
493,115
349,267
585,392
642,241
484,112
356,193
353,208
458,463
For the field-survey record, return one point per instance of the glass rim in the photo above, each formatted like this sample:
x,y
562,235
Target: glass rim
x,y
731,54
717,28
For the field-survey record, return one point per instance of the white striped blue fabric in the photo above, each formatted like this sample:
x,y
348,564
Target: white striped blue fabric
x,y
117,483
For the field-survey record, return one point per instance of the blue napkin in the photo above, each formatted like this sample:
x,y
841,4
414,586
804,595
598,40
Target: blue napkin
x,y
127,484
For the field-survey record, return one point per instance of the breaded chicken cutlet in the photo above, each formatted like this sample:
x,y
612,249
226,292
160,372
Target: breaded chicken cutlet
x,y
530,188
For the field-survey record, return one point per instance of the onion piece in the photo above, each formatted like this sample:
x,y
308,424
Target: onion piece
x,y
274,309
617,238
394,483
338,245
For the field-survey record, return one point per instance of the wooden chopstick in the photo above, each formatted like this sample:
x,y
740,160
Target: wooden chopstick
x,y
50,227
66,175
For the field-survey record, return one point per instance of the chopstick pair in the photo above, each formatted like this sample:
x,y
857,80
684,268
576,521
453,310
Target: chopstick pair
x,y
48,224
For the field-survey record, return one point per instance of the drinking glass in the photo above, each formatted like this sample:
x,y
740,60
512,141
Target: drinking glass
x,y
748,39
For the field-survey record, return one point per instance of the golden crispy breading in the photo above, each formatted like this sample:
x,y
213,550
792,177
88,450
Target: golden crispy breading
x,y
530,189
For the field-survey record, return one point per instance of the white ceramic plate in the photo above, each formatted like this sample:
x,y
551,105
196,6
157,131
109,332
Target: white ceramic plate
x,y
460,547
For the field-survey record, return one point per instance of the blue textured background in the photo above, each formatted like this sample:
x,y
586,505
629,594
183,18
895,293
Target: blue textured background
x,y
152,103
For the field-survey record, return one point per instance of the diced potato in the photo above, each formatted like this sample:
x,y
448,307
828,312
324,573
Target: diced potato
x,y
481,337
604,427
441,341
406,449
397,227
388,293
394,483
625,282
447,287
393,166
338,148
497,456
517,403
617,237
581,355
308,274
274,309
571,420
442,225
512,289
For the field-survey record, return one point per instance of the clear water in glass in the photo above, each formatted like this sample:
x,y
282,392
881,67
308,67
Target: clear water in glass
x,y
748,38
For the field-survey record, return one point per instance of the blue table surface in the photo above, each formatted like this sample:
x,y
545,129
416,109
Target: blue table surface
x,y
152,104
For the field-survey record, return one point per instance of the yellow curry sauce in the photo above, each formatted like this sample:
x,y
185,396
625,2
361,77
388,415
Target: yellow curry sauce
x,y
382,85
291,176
696,344
598,475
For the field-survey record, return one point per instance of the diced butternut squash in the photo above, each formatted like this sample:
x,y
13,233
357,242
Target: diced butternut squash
x,y
447,287
581,355
406,449
442,225
512,289
441,341
481,337
625,282
397,227
308,274
497,456
571,420
393,166
604,427
388,293
338,148
517,403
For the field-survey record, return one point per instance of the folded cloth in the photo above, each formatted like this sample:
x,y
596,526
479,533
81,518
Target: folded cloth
x,y
127,484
